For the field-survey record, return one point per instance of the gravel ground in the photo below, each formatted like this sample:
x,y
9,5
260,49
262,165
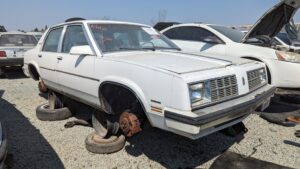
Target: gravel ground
x,y
37,144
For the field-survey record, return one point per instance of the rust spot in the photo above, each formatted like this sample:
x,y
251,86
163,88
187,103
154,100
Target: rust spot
x,y
129,124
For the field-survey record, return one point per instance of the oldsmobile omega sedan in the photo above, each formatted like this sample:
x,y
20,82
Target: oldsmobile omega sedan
x,y
133,73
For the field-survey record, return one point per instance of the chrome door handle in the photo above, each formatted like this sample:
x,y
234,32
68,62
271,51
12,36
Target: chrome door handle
x,y
59,58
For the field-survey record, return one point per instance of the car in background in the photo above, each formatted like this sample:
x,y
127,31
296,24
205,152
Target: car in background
x,y
2,29
37,35
12,48
283,66
3,146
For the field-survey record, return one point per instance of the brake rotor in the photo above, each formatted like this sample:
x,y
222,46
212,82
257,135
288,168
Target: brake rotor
x,y
129,124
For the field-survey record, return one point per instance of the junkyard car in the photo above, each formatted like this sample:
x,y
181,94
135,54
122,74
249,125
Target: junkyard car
x,y
12,48
3,146
220,40
113,66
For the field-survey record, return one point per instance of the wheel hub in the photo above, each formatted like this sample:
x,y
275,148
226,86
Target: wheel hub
x,y
129,124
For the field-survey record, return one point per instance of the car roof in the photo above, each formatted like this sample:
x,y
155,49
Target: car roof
x,y
100,22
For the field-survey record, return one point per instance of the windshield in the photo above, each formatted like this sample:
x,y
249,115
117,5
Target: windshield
x,y
230,33
120,37
17,40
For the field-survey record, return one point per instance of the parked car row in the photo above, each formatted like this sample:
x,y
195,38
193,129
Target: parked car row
x,y
191,79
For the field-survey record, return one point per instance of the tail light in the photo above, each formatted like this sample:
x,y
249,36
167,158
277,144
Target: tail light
x,y
2,54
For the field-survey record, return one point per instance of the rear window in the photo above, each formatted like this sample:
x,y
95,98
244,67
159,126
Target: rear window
x,y
17,40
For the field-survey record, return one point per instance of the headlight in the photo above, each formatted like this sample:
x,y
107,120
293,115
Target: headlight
x,y
196,92
288,57
263,76
199,93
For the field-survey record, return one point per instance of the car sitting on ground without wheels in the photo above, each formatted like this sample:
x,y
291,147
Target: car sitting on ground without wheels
x,y
133,74
282,66
12,48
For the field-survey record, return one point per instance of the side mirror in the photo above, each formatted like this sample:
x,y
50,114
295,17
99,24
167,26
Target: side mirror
x,y
211,40
81,50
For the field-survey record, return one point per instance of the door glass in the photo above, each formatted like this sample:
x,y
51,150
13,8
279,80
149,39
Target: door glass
x,y
52,41
74,36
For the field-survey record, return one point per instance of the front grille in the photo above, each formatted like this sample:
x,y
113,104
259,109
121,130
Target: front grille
x,y
223,88
255,79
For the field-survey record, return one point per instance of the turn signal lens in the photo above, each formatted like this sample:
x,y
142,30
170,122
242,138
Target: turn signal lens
x,y
280,56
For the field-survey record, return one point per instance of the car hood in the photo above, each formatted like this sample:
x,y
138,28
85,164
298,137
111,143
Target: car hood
x,y
271,23
179,63
234,60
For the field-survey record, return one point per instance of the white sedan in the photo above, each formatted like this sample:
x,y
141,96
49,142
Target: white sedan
x,y
120,66
220,40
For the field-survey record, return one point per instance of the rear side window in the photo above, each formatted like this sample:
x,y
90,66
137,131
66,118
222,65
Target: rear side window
x,y
74,36
189,33
52,40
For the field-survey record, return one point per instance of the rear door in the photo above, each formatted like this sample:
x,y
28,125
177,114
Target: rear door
x,y
194,39
76,72
48,57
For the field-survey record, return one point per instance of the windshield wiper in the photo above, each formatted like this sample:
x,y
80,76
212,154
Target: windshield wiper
x,y
145,48
170,48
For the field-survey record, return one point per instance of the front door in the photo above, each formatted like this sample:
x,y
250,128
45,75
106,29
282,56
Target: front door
x,y
76,72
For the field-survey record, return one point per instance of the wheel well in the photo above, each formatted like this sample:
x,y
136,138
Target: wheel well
x,y
33,72
116,98
268,70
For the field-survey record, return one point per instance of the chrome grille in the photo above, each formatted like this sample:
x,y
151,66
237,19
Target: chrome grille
x,y
254,78
223,88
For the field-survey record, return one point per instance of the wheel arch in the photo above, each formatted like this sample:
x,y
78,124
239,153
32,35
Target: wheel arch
x,y
34,71
128,85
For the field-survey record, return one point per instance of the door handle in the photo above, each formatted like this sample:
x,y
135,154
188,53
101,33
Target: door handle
x,y
40,56
59,58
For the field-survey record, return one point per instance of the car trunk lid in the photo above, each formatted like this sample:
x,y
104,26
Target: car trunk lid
x,y
15,52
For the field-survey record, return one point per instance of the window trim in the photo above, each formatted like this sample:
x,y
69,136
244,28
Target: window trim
x,y
64,35
46,37
222,42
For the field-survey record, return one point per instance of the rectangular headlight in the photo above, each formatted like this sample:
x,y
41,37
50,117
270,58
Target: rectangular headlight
x,y
199,94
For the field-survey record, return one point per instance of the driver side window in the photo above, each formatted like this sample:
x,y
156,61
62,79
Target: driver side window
x,y
74,36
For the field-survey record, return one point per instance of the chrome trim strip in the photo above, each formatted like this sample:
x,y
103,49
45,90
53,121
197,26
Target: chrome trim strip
x,y
85,77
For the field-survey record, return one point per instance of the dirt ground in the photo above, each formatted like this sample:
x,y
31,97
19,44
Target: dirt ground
x,y
37,144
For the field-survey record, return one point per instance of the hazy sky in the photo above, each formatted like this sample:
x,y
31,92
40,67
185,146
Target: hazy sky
x,y
28,14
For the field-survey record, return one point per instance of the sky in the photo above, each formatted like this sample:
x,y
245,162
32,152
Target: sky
x,y
29,14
